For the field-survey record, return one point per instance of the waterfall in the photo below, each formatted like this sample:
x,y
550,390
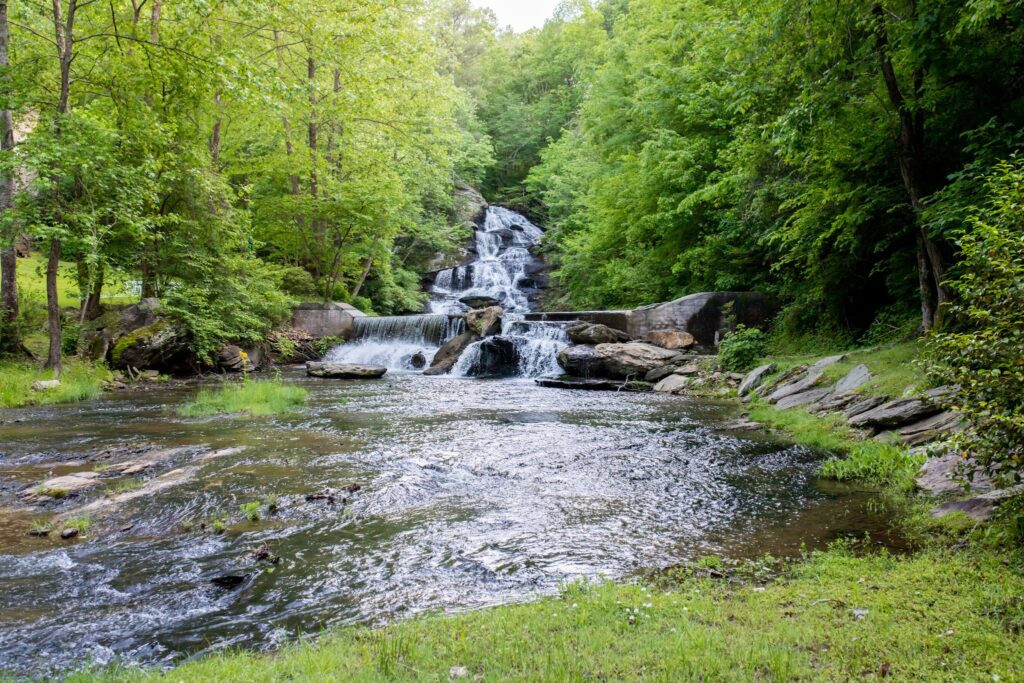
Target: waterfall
x,y
403,342
499,272
523,349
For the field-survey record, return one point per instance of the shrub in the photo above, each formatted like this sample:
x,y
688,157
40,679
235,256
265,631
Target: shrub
x,y
297,281
983,359
741,349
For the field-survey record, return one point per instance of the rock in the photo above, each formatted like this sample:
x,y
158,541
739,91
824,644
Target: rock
x,y
754,378
703,315
39,533
785,377
835,402
595,333
479,301
805,381
670,339
632,358
232,358
862,405
896,413
344,370
743,425
485,322
263,554
62,487
593,384
162,346
672,384
854,379
690,369
496,357
418,360
943,474
45,384
581,360
469,203
458,672
448,355
68,533
931,428
142,314
803,398
658,374
229,581
982,507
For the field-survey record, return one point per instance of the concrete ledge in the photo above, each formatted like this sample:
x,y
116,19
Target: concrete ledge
x,y
332,319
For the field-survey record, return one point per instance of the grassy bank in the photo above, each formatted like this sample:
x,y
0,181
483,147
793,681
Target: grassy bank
x,y
79,381
264,397
936,616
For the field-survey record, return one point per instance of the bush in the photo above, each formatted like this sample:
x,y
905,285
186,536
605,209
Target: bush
x,y
297,281
741,349
984,358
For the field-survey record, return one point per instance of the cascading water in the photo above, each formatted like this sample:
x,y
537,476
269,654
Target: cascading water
x,y
403,342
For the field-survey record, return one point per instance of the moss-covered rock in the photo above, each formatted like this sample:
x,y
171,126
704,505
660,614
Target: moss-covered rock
x,y
161,346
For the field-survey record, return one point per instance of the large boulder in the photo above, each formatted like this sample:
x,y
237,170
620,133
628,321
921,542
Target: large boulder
x,y
102,332
581,360
705,315
344,370
162,346
670,339
496,357
448,355
233,358
479,301
484,322
595,333
632,358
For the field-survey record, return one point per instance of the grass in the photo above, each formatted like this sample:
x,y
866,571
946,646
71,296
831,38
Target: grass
x,y
79,381
83,524
868,460
32,282
940,615
265,397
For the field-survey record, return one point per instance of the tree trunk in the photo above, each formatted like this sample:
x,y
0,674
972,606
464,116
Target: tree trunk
x,y
910,152
10,337
293,177
362,278
53,359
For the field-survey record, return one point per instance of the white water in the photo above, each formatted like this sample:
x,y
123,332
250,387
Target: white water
x,y
393,341
537,345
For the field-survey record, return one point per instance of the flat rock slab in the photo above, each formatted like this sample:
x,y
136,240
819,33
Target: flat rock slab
x,y
931,428
672,384
754,378
62,487
942,475
633,358
593,384
803,398
854,379
898,413
862,405
344,370
982,507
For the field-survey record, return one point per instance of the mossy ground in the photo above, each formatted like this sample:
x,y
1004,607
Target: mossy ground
x,y
259,397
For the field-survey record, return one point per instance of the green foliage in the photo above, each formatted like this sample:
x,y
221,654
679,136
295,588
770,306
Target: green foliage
x,y
984,358
251,511
741,348
325,344
254,398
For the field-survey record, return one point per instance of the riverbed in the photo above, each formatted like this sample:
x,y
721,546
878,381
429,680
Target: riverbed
x,y
380,500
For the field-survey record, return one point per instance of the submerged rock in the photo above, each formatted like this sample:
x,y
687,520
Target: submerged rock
x,y
344,370
229,581
595,333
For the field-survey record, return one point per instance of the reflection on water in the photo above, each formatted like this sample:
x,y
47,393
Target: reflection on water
x,y
472,493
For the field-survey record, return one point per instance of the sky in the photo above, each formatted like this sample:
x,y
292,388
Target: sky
x,y
520,14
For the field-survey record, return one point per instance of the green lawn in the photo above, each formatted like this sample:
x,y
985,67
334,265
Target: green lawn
x,y
32,283
936,616
79,381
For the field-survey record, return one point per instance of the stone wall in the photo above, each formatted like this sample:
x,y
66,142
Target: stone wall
x,y
325,320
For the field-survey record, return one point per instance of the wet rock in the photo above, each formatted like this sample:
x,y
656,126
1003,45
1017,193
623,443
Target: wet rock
x,y
595,333
743,425
982,507
45,384
803,398
418,360
754,378
229,581
658,374
672,384
485,322
448,355
62,487
498,357
581,360
263,554
670,339
931,428
344,370
39,533
896,413
632,358
854,379
948,473
69,533
592,384
478,301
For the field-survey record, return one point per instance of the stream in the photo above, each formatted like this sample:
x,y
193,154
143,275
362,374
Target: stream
x,y
471,493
